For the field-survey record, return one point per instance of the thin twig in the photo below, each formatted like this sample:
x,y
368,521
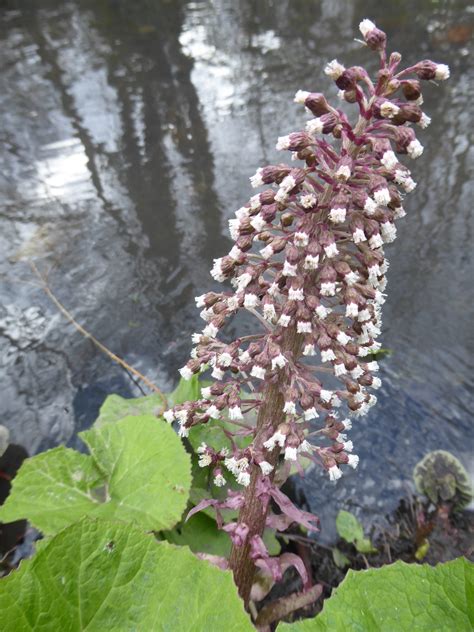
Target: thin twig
x,y
86,334
284,606
305,540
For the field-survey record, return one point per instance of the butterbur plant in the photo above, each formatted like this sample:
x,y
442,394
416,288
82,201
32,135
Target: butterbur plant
x,y
308,263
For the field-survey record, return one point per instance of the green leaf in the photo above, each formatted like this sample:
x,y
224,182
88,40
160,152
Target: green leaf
x,y
348,527
380,354
422,550
201,534
213,434
148,471
401,597
340,560
186,391
53,489
364,545
138,472
202,489
116,407
271,542
99,576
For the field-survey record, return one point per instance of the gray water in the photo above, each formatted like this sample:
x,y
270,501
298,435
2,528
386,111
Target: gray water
x,y
129,132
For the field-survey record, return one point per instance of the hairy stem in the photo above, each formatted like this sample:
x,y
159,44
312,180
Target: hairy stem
x,y
253,513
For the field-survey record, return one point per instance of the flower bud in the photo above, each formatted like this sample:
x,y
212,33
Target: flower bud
x,y
323,124
314,101
334,69
294,142
287,219
427,69
269,174
411,89
391,87
384,108
409,112
374,37
348,79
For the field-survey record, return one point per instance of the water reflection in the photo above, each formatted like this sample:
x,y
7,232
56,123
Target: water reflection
x,y
130,130
63,172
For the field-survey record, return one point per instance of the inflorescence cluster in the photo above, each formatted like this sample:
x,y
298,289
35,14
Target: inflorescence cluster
x,y
308,262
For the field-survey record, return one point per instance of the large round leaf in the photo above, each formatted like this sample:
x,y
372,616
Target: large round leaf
x,y
102,576
138,472
400,597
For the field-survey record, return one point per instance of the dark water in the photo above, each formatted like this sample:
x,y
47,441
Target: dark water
x,y
129,132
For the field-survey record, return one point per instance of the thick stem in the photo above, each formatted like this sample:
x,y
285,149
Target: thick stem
x,y
253,513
